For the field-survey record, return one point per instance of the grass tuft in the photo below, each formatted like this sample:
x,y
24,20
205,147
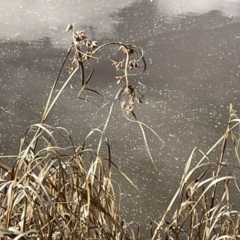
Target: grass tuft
x,y
205,205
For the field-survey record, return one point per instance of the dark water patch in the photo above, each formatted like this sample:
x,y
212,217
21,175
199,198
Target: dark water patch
x,y
29,69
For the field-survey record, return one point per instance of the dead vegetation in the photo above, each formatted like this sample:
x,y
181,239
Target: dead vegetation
x,y
66,191
206,206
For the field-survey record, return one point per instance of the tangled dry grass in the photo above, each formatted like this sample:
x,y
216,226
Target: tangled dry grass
x,y
65,191
207,201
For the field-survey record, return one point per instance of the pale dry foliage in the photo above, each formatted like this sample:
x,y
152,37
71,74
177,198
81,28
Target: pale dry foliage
x,y
49,194
58,190
55,189
207,206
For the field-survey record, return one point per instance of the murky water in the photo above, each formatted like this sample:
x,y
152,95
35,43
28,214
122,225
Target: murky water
x,y
192,52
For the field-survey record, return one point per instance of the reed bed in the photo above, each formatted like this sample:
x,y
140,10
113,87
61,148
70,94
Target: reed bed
x,y
56,189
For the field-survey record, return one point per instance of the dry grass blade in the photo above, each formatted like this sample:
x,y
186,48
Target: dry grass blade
x,y
59,93
54,85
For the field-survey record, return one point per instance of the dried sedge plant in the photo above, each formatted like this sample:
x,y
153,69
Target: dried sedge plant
x,y
66,192
204,209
